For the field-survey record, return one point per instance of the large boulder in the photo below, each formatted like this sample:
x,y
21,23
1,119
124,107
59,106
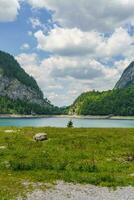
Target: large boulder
x,y
40,137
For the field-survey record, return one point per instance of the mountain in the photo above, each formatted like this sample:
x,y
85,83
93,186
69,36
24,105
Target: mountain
x,y
115,102
15,83
119,101
19,92
127,78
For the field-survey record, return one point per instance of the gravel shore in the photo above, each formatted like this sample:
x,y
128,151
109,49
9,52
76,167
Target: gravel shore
x,y
67,191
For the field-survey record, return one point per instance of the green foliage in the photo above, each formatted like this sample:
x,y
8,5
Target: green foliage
x,y
94,156
116,102
70,124
9,106
11,68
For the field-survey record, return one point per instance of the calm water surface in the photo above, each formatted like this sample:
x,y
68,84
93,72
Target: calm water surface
x,y
62,122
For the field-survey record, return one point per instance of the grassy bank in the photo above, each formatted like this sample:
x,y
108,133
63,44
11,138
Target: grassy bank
x,y
96,156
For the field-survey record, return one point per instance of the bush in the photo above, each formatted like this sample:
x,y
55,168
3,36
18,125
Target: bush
x,y
70,124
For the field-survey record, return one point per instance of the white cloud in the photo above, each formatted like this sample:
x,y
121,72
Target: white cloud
x,y
122,64
25,46
68,42
74,42
86,69
62,79
76,61
80,46
119,43
38,3
30,63
9,10
102,15
38,69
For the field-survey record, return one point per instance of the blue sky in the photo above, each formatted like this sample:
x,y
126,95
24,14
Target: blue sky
x,y
15,33
69,46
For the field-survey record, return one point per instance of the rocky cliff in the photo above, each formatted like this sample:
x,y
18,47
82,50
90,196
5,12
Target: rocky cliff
x,y
14,89
127,78
15,83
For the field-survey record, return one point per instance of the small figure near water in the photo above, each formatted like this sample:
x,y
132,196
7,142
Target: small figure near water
x,y
70,124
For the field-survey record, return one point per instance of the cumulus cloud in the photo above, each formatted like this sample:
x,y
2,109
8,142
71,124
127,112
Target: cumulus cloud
x,y
41,72
30,63
86,69
62,79
89,50
102,15
68,42
8,10
122,64
74,42
119,43
77,61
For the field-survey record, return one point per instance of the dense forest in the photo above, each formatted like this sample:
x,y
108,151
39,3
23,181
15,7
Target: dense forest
x,y
9,106
115,102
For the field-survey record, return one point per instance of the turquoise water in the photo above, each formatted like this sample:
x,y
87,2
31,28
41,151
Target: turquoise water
x,y
62,122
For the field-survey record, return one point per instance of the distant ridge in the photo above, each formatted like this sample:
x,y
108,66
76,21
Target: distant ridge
x,y
127,78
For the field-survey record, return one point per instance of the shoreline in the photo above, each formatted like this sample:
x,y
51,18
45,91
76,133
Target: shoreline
x,y
8,116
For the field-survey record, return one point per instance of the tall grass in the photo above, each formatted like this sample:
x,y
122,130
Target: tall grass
x,y
95,156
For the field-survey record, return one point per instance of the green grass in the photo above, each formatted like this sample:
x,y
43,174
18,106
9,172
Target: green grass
x,y
94,156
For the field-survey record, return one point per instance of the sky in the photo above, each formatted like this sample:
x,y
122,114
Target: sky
x,y
69,46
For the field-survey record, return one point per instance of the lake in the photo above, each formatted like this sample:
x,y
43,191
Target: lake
x,y
62,122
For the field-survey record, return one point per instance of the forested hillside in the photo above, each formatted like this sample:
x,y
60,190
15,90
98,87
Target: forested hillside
x,y
9,106
119,101
19,92
116,102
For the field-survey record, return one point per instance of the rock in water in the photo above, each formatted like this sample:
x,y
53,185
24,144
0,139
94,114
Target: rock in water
x,y
127,78
40,137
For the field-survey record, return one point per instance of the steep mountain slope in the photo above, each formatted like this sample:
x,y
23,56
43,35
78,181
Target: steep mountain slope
x,y
119,101
19,92
116,102
127,78
15,83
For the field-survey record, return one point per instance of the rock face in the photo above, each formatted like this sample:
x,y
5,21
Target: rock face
x,y
127,78
14,89
15,83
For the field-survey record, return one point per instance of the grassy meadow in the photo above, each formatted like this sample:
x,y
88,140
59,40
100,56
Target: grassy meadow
x,y
103,157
